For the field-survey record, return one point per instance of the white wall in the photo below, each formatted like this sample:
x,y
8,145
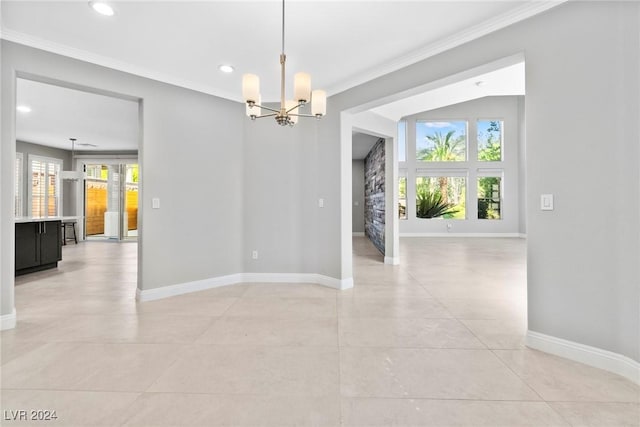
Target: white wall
x,y
582,133
503,108
375,124
357,192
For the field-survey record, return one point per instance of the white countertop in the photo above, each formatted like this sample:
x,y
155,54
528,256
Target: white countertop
x,y
49,218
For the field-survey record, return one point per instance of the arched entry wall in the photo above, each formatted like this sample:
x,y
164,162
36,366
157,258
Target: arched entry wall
x,y
370,123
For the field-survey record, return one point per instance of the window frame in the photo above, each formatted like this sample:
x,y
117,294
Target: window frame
x,y
445,173
477,148
403,173
491,173
405,139
441,162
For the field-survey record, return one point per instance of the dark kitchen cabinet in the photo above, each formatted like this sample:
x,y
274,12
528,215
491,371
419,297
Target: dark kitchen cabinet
x,y
38,246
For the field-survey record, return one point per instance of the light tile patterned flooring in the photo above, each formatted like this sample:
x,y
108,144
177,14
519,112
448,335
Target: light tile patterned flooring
x,y
437,341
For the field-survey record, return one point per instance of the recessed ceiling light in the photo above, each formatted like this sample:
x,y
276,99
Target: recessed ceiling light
x,y
23,108
226,68
102,8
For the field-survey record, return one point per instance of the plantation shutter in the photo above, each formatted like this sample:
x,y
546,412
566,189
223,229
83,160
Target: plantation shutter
x,y
45,186
18,191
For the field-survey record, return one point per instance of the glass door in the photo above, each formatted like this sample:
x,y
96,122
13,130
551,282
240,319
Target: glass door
x,y
129,191
111,201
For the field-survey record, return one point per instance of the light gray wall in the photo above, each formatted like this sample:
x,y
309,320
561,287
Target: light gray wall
x,y
503,108
191,157
281,177
357,185
68,194
375,124
582,146
582,119
583,272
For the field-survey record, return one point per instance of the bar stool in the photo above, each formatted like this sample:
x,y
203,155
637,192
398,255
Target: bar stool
x,y
71,225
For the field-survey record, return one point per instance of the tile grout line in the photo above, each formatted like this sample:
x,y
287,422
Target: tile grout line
x,y
518,376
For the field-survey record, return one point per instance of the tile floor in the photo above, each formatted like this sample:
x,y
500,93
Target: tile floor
x,y
437,341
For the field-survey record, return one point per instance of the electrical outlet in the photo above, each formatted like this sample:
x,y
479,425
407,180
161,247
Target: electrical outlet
x,y
449,227
254,254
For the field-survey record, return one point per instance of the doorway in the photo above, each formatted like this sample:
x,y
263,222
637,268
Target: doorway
x,y
111,200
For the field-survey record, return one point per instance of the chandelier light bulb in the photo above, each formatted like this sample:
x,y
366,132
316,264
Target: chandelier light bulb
x,y
302,87
289,110
318,103
250,88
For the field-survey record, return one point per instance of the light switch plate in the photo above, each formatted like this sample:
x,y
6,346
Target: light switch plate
x,y
155,203
546,202
321,203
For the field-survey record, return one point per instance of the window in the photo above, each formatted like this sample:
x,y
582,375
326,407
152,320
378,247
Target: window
x,y
441,196
45,191
402,141
402,197
489,197
19,189
441,141
489,140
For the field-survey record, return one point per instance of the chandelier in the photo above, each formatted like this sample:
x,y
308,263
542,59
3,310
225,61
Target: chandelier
x,y
289,110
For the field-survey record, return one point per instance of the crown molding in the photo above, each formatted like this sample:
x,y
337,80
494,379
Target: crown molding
x,y
521,13
108,62
527,10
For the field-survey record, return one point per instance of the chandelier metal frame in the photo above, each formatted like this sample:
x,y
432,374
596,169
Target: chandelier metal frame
x,y
288,113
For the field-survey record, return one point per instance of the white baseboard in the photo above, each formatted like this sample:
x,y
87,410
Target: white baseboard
x,y
188,287
592,356
460,235
233,279
358,234
392,260
522,235
8,321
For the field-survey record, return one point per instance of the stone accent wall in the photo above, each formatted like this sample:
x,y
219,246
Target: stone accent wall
x,y
374,195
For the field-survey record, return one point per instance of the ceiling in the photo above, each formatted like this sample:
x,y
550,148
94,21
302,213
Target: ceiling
x,y
340,43
57,114
361,144
506,80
